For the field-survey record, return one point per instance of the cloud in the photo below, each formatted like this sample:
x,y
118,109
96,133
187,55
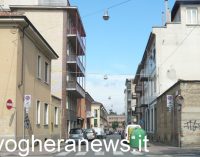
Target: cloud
x,y
113,87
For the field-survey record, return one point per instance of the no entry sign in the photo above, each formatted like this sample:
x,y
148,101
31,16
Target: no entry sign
x,y
9,104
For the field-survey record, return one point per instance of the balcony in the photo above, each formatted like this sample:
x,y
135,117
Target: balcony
x,y
75,88
143,76
138,88
76,65
76,39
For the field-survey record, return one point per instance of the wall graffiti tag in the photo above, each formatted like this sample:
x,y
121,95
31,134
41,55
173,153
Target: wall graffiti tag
x,y
192,125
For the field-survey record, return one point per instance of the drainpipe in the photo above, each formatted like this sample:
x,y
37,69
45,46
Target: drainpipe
x,y
22,80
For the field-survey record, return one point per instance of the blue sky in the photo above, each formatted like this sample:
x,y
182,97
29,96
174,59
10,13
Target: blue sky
x,y
115,47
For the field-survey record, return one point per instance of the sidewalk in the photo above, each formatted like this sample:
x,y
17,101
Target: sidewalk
x,y
159,148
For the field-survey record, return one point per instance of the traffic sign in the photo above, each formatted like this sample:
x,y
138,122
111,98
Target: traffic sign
x,y
27,101
9,104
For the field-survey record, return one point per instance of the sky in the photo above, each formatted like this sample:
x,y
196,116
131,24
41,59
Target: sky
x,y
115,47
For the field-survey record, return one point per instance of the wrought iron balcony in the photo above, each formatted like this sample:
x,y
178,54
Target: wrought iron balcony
x,y
75,88
77,66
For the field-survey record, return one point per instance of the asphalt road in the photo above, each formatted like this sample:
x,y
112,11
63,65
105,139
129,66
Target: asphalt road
x,y
153,151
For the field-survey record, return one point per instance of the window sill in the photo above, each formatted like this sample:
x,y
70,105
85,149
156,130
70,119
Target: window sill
x,y
46,125
56,125
192,24
37,125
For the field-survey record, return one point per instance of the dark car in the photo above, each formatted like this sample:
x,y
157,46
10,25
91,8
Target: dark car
x,y
77,134
90,134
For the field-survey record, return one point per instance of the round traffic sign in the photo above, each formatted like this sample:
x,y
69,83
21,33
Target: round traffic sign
x,y
9,104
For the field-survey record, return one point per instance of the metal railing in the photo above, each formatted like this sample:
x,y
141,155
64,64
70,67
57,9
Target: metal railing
x,y
74,31
74,85
74,58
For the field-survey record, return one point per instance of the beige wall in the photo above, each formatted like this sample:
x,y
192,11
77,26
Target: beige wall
x,y
50,24
10,80
180,127
55,129
93,108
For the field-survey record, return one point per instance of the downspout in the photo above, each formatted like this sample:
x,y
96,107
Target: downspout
x,y
22,80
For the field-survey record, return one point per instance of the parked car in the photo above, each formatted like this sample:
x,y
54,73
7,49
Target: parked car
x,y
77,134
90,134
100,133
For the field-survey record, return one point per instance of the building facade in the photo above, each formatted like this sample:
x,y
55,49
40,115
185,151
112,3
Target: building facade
x,y
178,122
130,101
89,113
25,75
120,119
100,116
170,54
68,72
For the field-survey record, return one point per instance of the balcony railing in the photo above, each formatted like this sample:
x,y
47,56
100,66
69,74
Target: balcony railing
x,y
138,88
76,59
76,88
74,31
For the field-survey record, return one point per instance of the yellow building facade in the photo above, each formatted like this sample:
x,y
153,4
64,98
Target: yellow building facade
x,y
25,68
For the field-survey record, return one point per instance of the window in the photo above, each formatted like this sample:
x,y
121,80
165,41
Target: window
x,y
39,63
192,17
46,72
38,112
95,123
56,115
95,113
46,114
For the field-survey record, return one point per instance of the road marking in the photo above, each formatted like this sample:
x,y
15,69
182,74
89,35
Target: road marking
x,y
118,153
81,153
136,153
99,153
63,154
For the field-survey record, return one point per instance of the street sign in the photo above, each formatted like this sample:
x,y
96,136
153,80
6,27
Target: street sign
x,y
9,104
27,101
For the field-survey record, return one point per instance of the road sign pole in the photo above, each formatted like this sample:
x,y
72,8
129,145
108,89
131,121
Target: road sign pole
x,y
24,126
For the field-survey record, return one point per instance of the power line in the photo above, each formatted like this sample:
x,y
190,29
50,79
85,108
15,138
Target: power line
x,y
181,43
108,8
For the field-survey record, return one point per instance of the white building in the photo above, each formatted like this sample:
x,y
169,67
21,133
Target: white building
x,y
172,53
130,103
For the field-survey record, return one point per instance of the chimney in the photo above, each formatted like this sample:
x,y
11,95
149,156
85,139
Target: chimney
x,y
167,12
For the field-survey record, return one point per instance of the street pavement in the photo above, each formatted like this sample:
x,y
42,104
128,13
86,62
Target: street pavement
x,y
154,150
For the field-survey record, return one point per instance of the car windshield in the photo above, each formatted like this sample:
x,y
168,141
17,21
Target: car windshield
x,y
89,131
75,131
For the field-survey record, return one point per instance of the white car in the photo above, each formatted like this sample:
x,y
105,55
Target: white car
x,y
100,132
127,133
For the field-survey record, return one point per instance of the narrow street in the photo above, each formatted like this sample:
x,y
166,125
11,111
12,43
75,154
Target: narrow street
x,y
154,150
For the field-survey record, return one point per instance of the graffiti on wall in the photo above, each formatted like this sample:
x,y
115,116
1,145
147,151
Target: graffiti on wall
x,y
192,125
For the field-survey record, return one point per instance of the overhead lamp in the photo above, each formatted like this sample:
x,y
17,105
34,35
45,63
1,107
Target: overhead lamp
x,y
106,16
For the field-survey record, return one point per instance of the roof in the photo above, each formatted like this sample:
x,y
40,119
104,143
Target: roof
x,y
45,7
177,83
180,2
24,22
